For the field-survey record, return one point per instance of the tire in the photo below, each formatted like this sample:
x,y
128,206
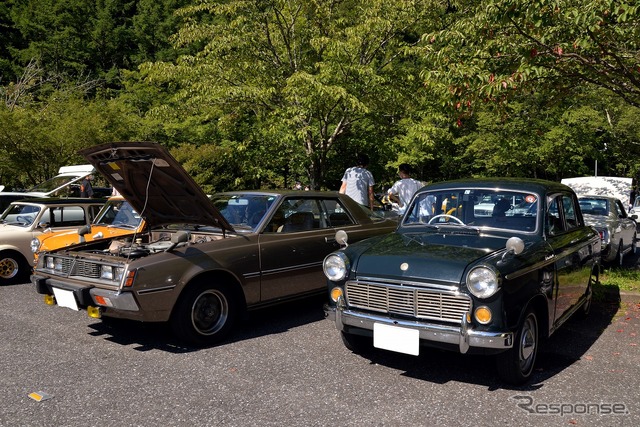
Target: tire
x,y
356,343
516,364
586,307
13,268
205,314
634,245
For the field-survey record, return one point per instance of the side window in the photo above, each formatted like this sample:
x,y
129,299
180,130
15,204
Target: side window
x,y
553,220
68,216
336,214
569,210
295,215
621,212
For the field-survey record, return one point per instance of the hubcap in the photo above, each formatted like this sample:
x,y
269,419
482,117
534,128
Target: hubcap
x,y
8,268
209,312
528,344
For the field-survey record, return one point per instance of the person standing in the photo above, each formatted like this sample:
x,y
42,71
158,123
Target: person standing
x,y
403,190
357,182
86,190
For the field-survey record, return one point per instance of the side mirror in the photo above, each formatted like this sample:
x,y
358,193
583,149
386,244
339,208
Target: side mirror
x,y
515,246
342,237
82,231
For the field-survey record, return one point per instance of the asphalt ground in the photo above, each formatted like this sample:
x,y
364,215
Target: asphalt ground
x,y
287,366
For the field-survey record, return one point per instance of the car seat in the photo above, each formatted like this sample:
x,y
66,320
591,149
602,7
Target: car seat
x,y
298,221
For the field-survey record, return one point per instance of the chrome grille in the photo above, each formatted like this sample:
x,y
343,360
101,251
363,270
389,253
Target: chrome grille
x,y
79,267
407,300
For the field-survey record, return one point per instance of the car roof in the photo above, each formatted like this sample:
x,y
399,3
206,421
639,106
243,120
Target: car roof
x,y
59,201
533,185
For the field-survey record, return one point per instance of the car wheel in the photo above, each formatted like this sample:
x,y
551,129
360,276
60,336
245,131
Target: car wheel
x,y
13,267
356,343
634,245
516,364
204,314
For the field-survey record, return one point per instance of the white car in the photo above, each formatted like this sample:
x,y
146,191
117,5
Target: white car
x,y
24,220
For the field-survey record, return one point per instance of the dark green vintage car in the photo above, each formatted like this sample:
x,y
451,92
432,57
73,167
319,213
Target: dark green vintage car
x,y
466,279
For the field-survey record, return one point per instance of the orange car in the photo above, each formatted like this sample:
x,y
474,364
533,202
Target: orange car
x,y
116,218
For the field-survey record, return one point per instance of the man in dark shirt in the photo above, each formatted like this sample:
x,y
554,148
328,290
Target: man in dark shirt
x,y
85,187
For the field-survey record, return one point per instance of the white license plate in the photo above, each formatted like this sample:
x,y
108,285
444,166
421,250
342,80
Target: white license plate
x,y
395,338
65,298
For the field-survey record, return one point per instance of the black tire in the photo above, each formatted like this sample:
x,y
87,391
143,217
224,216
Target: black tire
x,y
205,314
516,364
13,268
356,343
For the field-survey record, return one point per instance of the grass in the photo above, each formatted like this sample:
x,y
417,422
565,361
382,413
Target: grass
x,y
622,279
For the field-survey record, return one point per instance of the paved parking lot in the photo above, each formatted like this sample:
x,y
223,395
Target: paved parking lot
x,y
287,366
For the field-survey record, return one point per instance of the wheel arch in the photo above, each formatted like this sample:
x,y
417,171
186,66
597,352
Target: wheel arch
x,y
540,307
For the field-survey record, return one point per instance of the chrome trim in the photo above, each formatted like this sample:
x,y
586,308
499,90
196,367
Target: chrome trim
x,y
154,290
419,302
454,287
463,336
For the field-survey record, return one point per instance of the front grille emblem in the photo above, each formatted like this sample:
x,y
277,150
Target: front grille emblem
x,y
404,266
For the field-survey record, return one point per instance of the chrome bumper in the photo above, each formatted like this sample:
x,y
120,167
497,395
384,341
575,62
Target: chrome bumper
x,y
461,335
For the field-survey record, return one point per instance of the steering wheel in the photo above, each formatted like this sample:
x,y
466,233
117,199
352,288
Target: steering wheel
x,y
447,216
22,218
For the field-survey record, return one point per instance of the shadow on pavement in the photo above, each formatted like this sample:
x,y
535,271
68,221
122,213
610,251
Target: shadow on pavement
x,y
266,321
566,346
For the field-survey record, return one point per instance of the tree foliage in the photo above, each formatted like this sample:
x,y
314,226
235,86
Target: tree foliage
x,y
491,50
251,93
290,81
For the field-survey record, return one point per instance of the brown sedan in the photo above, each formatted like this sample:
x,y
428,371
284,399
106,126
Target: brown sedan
x,y
202,261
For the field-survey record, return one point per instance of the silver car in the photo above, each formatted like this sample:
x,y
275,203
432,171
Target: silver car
x,y
617,230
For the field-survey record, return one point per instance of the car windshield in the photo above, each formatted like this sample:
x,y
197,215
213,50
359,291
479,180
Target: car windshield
x,y
118,213
243,210
54,183
594,206
474,207
20,215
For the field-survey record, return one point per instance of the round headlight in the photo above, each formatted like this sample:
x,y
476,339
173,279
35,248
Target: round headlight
x,y
35,245
335,266
482,282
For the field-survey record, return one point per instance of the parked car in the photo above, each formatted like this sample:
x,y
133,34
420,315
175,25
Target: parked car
x,y
617,230
202,262
467,283
26,219
65,184
634,212
116,218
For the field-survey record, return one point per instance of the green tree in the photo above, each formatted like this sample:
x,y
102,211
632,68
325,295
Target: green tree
x,y
491,50
288,83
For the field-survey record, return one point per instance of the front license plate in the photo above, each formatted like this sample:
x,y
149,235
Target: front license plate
x,y
395,338
65,298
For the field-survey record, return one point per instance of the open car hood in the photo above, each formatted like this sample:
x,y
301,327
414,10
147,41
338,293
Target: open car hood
x,y
154,183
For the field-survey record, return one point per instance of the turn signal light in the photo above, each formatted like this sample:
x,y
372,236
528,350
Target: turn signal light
x,y
335,294
49,300
483,315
